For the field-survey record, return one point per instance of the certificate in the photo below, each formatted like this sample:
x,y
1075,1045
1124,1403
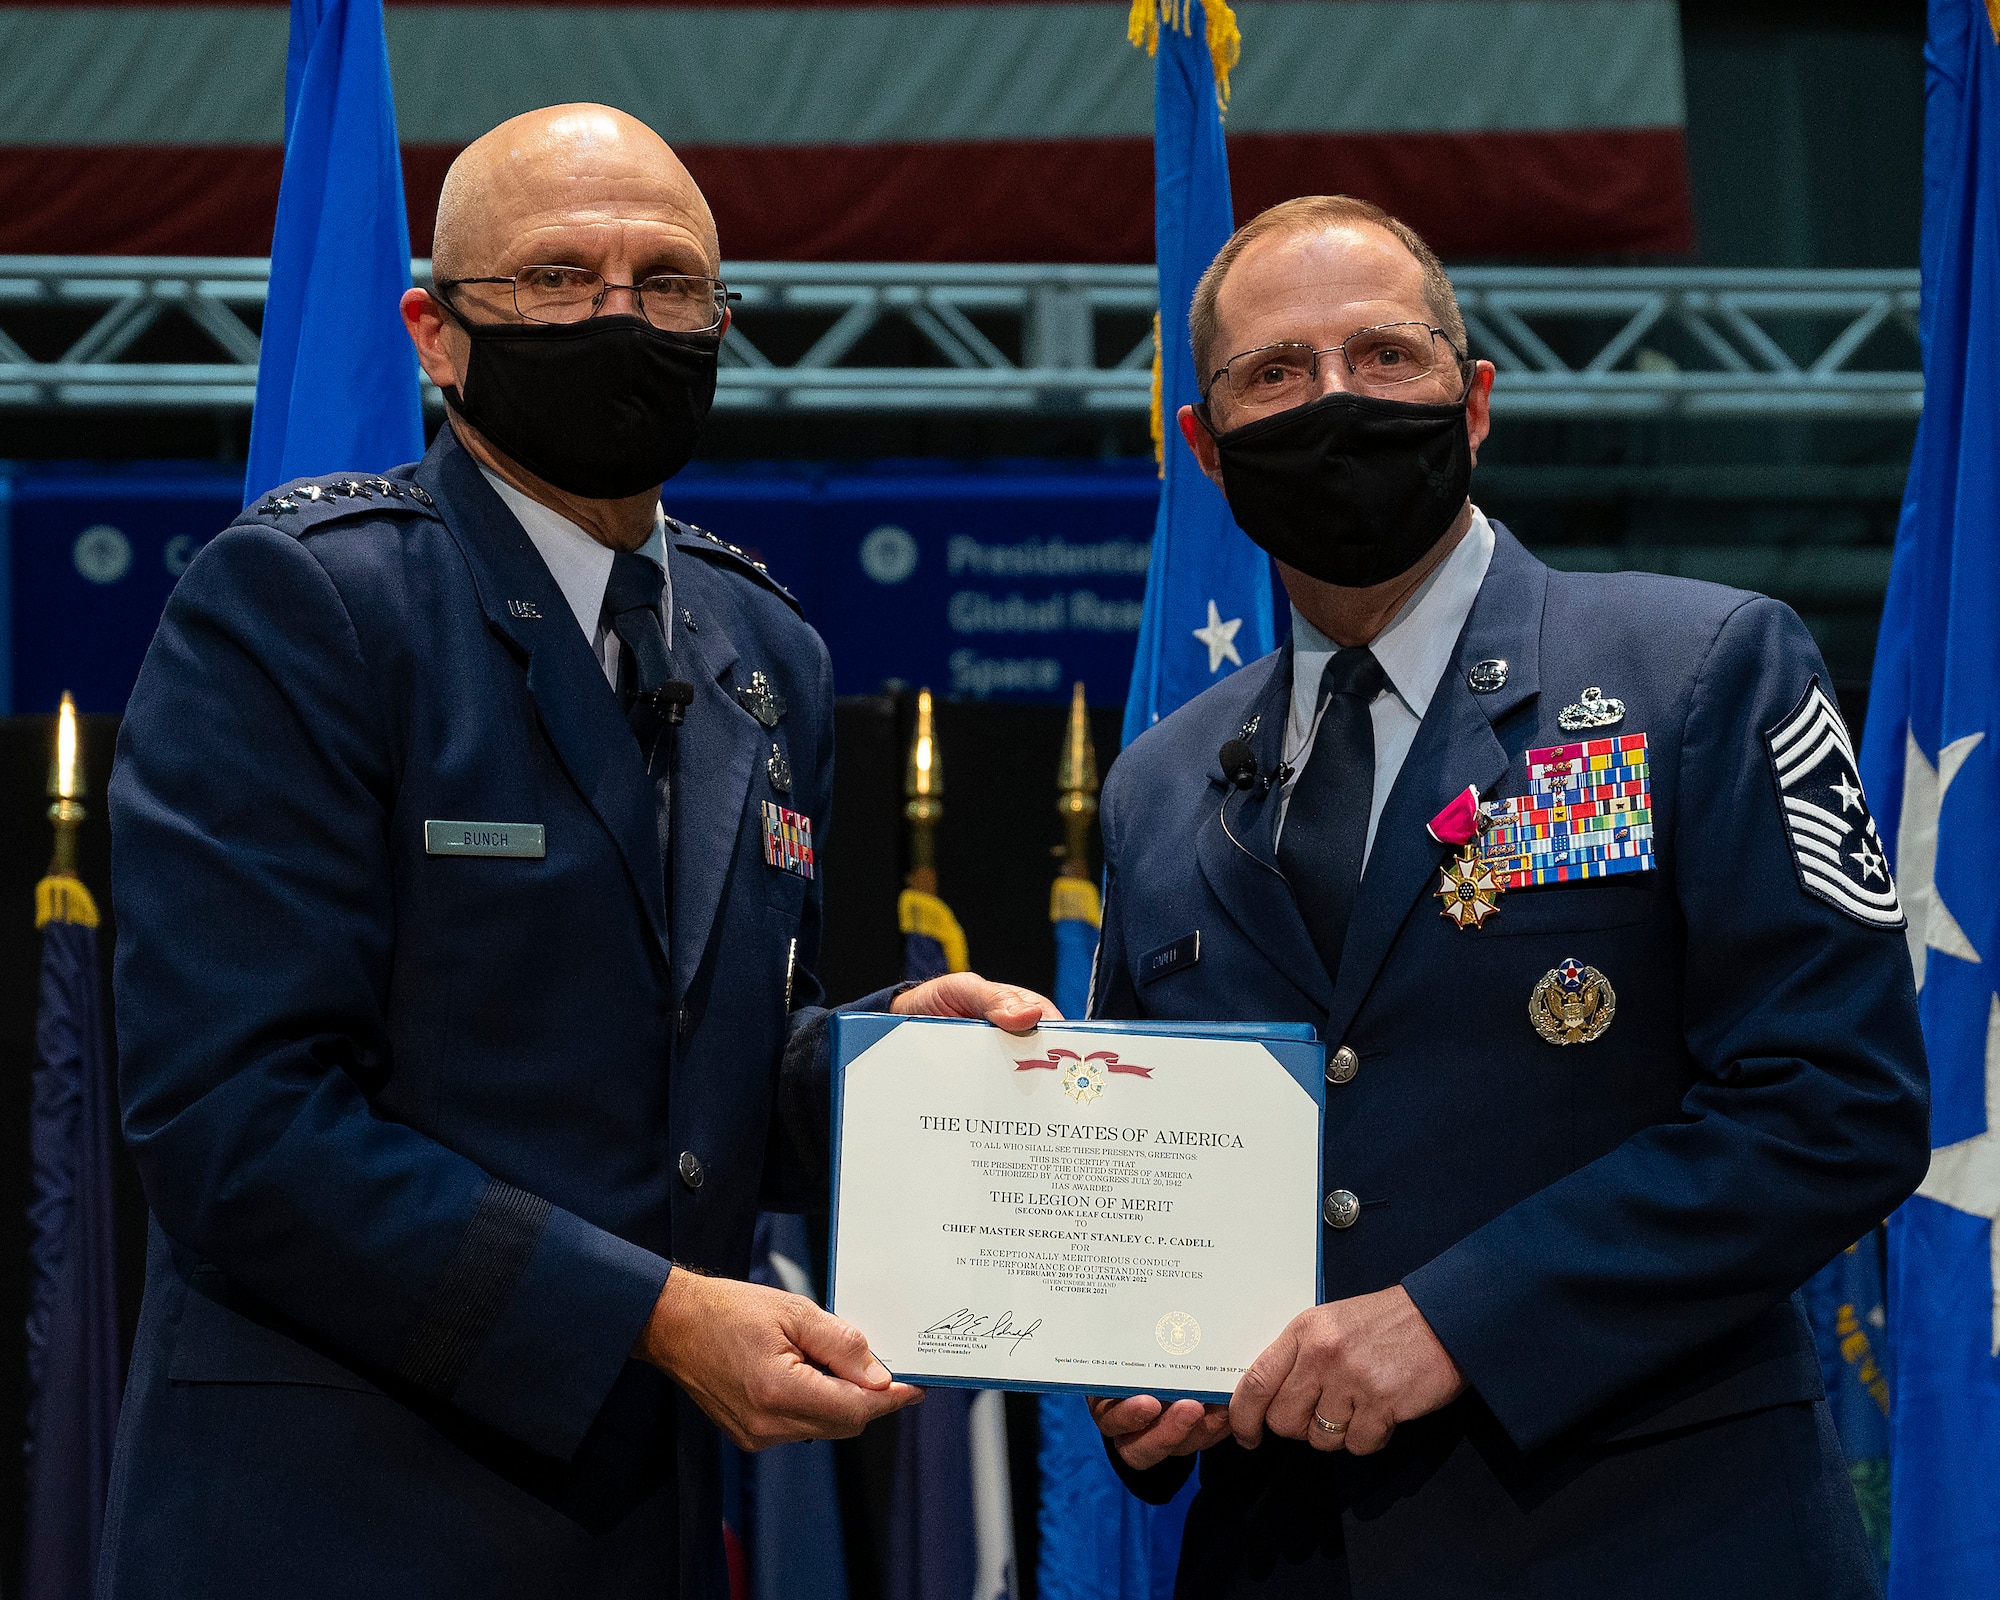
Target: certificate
x,y
1117,1208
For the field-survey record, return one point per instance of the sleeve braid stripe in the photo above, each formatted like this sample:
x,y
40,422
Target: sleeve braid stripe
x,y
506,1226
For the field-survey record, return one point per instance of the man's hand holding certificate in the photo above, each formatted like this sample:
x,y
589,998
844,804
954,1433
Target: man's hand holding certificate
x,y
1121,1210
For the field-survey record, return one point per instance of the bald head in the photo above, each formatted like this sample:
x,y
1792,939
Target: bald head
x,y
574,185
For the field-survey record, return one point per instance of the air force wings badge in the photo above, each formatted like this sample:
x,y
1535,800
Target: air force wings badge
x,y
1835,847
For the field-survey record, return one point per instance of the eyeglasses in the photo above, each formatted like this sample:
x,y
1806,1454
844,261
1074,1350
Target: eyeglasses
x,y
1380,360
671,301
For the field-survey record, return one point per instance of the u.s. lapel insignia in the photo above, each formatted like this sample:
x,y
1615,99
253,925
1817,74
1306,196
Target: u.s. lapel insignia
x,y
524,610
1573,1004
1470,891
1592,710
761,700
780,770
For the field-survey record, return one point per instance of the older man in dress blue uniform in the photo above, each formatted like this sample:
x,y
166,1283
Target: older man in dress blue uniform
x,y
1575,876
465,841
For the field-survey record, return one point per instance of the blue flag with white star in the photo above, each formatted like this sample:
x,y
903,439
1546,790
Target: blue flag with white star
x,y
336,375
1932,768
1208,589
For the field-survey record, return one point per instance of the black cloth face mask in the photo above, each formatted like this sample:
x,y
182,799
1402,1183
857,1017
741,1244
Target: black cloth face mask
x,y
604,408
1350,489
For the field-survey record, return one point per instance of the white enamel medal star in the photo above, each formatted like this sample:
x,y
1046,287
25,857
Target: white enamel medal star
x,y
1470,890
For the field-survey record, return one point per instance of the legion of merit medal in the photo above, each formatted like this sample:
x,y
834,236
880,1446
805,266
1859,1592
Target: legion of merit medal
x,y
1470,891
1573,1004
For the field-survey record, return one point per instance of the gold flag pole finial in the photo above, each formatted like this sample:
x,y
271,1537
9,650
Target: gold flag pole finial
x,y
1073,896
918,908
923,785
60,897
1076,778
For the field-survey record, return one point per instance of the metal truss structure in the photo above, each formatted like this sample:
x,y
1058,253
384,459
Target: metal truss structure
x,y
1603,343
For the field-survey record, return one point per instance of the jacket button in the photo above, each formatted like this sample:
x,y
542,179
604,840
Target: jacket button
x,y
1340,1210
692,1171
1342,1065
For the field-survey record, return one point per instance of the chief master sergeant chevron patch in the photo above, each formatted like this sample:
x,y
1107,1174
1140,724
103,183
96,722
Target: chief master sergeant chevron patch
x,y
1835,846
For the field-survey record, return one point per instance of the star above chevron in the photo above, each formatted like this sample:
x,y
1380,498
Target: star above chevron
x,y
1220,637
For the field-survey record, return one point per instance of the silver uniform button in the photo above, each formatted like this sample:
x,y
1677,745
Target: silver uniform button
x,y
1342,1065
692,1171
1341,1209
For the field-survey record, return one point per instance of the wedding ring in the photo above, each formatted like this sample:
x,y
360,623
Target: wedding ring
x,y
1334,1428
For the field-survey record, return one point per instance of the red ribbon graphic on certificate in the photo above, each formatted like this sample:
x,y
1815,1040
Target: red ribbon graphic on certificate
x,y
1057,1057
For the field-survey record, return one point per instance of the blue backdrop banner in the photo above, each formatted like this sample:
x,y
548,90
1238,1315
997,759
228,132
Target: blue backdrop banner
x,y
1006,581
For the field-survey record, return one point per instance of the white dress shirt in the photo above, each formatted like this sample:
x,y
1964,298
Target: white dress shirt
x,y
1414,650
582,568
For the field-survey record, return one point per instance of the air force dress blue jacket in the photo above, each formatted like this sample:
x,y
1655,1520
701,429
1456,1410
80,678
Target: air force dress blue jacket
x,y
423,1114
1605,1235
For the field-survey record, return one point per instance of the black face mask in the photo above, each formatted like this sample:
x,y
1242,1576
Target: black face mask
x,y
604,408
1348,488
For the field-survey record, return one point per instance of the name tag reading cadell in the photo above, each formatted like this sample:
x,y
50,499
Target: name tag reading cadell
x,y
522,839
1121,1208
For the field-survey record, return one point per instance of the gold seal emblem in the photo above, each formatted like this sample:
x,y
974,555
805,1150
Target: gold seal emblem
x,y
1083,1081
1573,1004
1177,1333
1471,889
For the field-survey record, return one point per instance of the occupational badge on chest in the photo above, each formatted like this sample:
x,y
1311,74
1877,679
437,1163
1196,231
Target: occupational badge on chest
x,y
1573,1004
761,700
1470,891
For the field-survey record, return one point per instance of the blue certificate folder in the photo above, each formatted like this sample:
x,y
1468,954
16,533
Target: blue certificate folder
x,y
1295,1046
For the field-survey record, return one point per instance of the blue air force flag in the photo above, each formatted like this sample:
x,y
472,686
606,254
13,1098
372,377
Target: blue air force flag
x,y
1929,762
1208,589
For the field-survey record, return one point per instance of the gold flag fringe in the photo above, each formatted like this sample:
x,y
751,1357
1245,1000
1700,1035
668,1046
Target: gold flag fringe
x,y
917,912
1075,900
61,898
1225,39
1157,422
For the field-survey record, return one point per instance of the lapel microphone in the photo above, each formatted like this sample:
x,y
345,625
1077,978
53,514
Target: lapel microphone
x,y
656,710
672,699
1239,767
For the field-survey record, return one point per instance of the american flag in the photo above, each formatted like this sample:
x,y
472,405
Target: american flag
x,y
835,130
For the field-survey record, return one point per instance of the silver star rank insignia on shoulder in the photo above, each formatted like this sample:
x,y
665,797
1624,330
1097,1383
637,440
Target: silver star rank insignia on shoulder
x,y
1573,1004
761,700
1470,890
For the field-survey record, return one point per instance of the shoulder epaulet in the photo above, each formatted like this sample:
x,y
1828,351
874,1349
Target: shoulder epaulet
x,y
306,505
721,551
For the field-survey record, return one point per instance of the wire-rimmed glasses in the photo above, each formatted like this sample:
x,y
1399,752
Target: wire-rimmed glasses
x,y
674,302
1380,360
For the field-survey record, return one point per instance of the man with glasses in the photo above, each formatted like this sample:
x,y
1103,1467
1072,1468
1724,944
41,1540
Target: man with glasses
x,y
465,829
1576,879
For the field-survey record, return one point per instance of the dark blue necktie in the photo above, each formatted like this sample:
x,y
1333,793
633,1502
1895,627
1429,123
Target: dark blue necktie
x,y
632,611
1326,823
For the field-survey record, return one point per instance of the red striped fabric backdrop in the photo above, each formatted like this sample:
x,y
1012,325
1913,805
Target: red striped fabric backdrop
x,y
840,130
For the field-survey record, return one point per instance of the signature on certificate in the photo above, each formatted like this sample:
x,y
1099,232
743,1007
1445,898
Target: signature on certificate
x,y
965,1323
